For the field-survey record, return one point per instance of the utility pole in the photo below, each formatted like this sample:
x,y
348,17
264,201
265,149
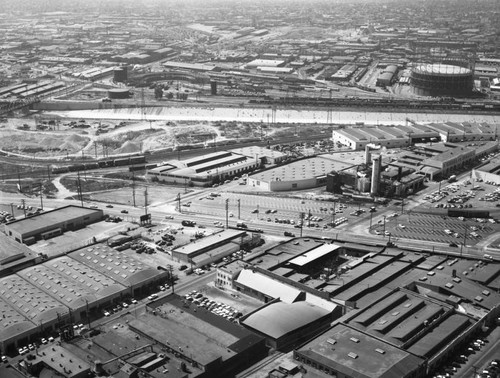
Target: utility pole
x,y
79,189
41,196
172,281
301,223
309,219
133,188
95,148
227,212
23,203
48,171
179,202
384,226
146,201
239,208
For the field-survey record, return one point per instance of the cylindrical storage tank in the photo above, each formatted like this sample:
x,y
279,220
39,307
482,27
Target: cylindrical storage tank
x,y
441,79
376,166
119,93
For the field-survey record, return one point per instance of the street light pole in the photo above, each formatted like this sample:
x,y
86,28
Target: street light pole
x,y
384,226
239,208
227,212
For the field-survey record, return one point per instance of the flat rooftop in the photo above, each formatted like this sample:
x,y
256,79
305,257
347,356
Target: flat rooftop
x,y
253,151
356,354
182,326
204,243
302,170
40,221
10,250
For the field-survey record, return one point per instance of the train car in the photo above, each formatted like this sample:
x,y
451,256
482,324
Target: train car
x,y
137,159
76,167
60,169
93,165
121,162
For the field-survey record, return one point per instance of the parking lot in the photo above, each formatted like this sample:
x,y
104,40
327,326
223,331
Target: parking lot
x,y
435,228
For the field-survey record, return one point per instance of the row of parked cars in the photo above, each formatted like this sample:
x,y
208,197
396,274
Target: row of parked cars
x,y
24,350
118,307
452,367
214,307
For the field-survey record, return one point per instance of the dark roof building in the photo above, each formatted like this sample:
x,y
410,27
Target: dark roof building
x,y
346,352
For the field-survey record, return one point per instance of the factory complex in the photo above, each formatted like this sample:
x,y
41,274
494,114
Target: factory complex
x,y
389,311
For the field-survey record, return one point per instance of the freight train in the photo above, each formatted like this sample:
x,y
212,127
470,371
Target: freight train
x,y
106,163
440,104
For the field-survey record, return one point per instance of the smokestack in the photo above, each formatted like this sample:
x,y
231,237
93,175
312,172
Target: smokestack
x,y
368,155
376,167
400,173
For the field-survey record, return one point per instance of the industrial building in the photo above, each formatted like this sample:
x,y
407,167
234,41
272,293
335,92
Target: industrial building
x,y
488,172
15,256
58,360
286,325
302,174
204,170
51,223
343,351
387,76
385,136
265,155
441,80
40,299
418,306
465,131
212,248
178,326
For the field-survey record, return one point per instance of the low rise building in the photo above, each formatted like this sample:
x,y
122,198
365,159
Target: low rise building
x,y
51,223
204,170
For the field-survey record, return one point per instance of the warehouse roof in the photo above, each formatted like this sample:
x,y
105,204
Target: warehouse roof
x,y
301,170
71,282
314,254
201,244
52,217
355,354
29,300
125,269
279,319
12,322
267,286
440,336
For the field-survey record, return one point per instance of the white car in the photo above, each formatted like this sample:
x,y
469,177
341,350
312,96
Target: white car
x,y
133,301
106,313
125,304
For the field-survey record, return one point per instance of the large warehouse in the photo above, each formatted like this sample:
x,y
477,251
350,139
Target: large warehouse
x,y
299,175
441,80
51,223
287,324
204,170
39,299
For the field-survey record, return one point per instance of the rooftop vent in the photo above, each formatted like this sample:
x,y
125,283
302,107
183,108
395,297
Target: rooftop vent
x,y
381,351
331,341
354,340
352,355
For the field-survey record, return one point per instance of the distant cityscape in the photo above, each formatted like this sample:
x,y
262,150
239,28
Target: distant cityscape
x,y
250,189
